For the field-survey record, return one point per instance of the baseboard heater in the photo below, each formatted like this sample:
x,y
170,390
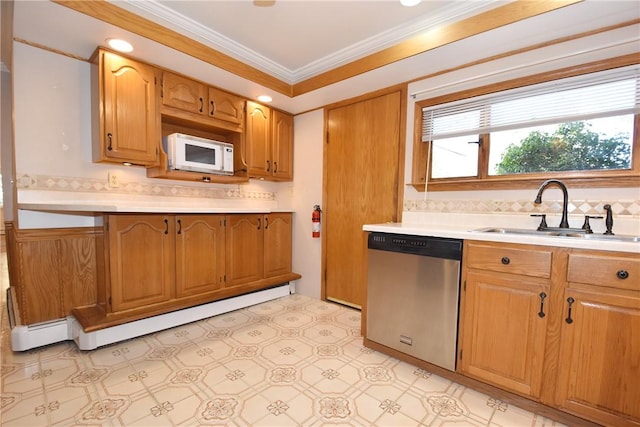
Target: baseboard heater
x,y
25,337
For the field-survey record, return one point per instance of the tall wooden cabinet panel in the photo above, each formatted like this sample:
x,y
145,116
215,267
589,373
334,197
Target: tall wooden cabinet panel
x,y
282,145
141,254
257,140
66,273
200,254
504,335
126,116
245,240
599,361
268,143
277,244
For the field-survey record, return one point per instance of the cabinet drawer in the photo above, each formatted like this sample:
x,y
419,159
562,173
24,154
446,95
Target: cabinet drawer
x,y
602,270
528,262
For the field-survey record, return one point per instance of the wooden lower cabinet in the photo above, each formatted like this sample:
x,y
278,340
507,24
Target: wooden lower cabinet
x,y
576,349
160,263
141,260
200,254
52,271
258,246
504,335
599,363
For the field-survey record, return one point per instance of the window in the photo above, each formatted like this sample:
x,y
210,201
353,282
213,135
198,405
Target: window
x,y
580,127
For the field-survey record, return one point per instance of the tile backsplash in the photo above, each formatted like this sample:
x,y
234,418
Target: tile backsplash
x,y
579,207
159,189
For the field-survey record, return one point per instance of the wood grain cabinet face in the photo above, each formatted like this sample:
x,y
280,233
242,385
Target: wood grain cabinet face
x,y
504,321
200,254
126,112
54,270
258,246
277,244
268,143
599,360
195,97
141,254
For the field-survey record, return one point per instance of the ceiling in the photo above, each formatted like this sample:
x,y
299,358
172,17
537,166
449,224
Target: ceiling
x,y
310,53
296,39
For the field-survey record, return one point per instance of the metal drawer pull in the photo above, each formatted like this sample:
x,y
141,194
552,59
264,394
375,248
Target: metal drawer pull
x,y
622,274
166,226
179,226
543,296
569,319
505,260
110,137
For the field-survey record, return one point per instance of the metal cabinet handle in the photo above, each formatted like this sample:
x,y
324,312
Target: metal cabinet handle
x,y
569,319
212,111
201,105
505,260
110,137
268,165
543,296
259,223
622,274
166,226
275,167
266,223
179,226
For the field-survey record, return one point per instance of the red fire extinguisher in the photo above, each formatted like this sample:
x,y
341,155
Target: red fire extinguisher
x,y
315,220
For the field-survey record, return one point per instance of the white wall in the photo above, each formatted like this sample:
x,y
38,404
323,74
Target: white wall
x,y
307,192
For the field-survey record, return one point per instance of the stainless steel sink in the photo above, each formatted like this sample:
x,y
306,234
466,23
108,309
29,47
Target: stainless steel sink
x,y
571,233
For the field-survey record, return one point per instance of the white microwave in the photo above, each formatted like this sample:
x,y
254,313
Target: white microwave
x,y
191,153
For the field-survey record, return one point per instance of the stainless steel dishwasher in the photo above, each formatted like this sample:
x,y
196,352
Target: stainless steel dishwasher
x,y
412,295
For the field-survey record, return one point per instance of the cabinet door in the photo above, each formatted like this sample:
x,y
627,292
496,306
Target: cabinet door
x,y
244,248
131,116
282,146
600,356
183,93
277,244
503,333
141,254
225,106
257,140
200,243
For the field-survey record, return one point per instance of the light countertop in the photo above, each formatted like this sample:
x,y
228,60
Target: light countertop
x,y
468,233
140,207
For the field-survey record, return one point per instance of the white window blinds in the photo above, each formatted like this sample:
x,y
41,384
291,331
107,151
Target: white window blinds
x,y
607,93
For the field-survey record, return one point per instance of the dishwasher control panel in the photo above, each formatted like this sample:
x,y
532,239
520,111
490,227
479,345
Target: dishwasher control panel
x,y
438,247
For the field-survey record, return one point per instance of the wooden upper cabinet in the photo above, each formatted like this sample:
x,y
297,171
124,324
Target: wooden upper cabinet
x,y
127,110
200,254
183,93
257,140
226,106
218,107
269,143
282,145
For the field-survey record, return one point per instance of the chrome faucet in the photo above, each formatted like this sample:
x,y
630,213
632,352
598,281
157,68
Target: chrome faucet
x,y
564,222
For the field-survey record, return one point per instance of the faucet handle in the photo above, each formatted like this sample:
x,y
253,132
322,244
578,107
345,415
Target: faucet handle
x,y
543,222
586,226
609,221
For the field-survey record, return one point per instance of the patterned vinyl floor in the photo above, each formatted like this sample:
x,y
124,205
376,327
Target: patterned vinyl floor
x,y
295,361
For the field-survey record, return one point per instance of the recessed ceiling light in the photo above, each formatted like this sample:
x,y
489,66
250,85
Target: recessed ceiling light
x,y
409,2
120,45
265,98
